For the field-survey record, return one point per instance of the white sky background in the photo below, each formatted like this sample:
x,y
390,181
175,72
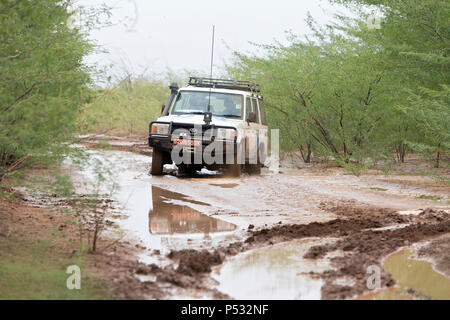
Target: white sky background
x,y
176,34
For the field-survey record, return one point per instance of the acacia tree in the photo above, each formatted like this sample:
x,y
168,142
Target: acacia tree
x,y
325,96
42,79
413,41
357,92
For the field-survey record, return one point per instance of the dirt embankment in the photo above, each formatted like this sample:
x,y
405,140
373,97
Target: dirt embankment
x,y
438,250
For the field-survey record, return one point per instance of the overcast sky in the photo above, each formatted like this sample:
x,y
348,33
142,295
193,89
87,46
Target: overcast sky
x,y
176,34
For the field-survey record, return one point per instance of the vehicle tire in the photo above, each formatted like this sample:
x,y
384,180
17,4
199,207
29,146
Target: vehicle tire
x,y
157,162
254,169
182,169
235,169
190,169
261,160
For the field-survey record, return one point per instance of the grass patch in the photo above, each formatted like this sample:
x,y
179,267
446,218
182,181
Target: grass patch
x,y
429,197
378,189
38,272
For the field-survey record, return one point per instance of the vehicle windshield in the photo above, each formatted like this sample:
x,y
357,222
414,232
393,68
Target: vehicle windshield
x,y
196,102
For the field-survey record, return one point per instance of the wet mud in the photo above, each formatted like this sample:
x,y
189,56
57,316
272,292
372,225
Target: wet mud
x,y
266,216
364,242
438,251
192,262
365,248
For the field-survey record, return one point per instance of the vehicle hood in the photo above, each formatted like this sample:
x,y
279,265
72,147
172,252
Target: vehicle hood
x,y
198,119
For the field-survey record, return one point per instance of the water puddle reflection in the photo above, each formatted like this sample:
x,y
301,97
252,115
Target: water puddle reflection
x,y
158,218
167,218
278,272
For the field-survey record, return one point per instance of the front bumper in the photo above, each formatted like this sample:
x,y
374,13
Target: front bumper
x,y
160,142
166,142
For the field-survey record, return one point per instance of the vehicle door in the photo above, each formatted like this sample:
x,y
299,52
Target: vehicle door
x,y
252,127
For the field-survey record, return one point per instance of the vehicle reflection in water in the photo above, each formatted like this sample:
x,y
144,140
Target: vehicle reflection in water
x,y
167,218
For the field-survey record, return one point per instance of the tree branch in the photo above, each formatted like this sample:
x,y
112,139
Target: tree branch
x,y
27,92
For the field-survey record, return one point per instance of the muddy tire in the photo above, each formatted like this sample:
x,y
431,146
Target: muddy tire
x,y
182,169
253,168
235,170
191,169
157,162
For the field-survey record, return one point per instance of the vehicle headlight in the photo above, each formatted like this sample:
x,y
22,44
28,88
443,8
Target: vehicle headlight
x,y
160,128
225,134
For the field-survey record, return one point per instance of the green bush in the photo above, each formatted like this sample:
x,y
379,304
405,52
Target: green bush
x,y
43,80
125,109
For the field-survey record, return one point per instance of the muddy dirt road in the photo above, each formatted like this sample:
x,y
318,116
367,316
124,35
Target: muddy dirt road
x,y
248,225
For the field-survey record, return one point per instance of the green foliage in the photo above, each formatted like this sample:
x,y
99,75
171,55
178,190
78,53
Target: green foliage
x,y
43,80
125,109
430,110
62,186
326,96
413,42
361,94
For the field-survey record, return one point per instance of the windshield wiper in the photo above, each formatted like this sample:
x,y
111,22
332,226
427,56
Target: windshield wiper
x,y
227,115
193,112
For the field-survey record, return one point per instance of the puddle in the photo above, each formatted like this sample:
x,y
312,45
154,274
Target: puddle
x,y
168,218
158,218
414,278
225,185
277,272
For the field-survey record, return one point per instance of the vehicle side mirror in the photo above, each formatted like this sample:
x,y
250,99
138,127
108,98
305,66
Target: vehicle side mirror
x,y
252,117
162,108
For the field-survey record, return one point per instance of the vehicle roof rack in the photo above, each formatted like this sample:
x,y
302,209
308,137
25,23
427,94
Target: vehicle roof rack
x,y
224,84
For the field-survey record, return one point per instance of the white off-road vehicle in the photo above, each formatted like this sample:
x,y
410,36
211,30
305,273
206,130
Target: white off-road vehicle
x,y
212,123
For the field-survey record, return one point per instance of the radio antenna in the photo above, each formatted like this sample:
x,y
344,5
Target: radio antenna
x,y
212,52
211,68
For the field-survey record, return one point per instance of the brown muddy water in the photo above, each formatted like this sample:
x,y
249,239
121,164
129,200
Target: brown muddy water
x,y
415,279
276,272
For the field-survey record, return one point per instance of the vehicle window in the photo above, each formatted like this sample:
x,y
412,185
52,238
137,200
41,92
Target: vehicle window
x,y
255,109
248,107
262,111
196,102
